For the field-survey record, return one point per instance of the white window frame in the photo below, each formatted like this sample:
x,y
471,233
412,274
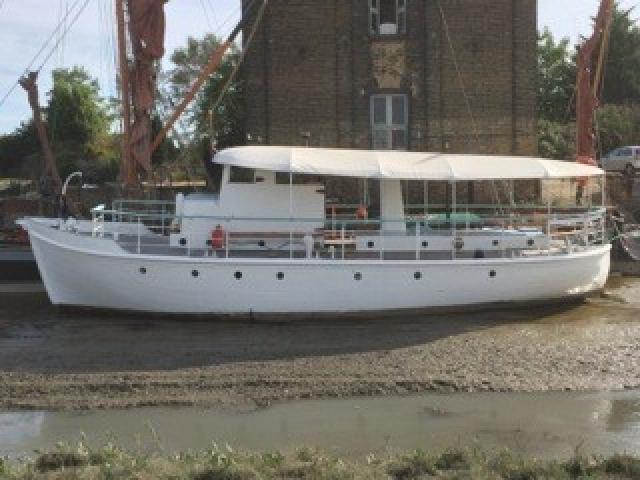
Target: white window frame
x,y
401,17
389,127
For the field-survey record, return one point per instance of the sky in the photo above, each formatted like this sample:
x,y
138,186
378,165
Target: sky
x,y
26,24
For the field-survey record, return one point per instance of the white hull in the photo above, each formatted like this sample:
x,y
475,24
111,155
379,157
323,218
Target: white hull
x,y
94,272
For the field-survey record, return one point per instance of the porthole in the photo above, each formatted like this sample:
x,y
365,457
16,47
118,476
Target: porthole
x,y
492,274
357,276
531,242
370,244
496,243
182,242
195,273
280,275
238,275
209,243
143,270
425,244
261,243
417,275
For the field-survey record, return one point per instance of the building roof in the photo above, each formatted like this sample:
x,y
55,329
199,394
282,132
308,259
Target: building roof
x,y
400,165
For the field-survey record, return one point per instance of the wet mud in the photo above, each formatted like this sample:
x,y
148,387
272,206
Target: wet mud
x,y
55,359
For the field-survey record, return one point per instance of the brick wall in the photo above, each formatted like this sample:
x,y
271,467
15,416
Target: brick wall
x,y
314,65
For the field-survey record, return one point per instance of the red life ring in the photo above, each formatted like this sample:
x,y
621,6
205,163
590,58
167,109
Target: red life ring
x,y
217,237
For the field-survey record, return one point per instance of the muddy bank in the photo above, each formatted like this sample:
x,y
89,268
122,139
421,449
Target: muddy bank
x,y
60,360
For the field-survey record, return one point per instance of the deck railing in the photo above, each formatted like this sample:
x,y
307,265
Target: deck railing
x,y
153,227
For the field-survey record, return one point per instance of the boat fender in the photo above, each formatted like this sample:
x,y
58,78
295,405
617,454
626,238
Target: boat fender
x,y
217,237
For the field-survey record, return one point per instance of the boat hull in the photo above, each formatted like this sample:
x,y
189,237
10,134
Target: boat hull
x,y
92,272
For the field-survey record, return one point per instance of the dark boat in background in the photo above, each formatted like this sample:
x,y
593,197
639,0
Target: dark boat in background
x,y
17,263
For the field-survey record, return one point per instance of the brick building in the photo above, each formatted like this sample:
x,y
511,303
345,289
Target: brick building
x,y
426,75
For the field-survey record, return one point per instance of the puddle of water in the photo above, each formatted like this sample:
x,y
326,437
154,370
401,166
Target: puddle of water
x,y
542,425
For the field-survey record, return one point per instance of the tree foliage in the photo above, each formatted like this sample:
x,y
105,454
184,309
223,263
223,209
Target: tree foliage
x,y
622,73
228,120
555,139
79,128
556,77
617,119
618,125
76,112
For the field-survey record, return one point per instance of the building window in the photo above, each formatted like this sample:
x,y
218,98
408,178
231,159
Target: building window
x,y
389,122
388,17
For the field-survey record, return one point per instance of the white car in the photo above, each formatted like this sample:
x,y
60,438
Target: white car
x,y
623,159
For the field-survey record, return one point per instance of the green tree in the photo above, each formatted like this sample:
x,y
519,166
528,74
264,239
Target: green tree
x,y
555,140
556,78
17,150
228,120
622,73
618,125
80,126
75,111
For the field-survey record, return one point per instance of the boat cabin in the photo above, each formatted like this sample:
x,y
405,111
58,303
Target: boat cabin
x,y
261,209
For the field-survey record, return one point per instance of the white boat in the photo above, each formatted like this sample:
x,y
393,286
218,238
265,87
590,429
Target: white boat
x,y
268,247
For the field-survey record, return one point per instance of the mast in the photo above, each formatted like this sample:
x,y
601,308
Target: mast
x,y
30,84
141,25
126,170
589,83
214,62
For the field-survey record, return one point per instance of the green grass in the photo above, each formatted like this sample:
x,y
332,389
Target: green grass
x,y
111,463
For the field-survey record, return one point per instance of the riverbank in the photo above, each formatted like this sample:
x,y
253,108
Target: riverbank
x,y
111,462
52,359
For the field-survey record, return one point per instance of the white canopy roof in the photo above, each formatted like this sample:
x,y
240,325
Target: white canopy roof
x,y
400,165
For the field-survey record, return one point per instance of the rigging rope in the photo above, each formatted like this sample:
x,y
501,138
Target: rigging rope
x,y
236,68
206,14
33,60
64,33
467,100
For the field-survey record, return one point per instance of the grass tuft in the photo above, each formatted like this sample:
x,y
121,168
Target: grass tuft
x,y
113,463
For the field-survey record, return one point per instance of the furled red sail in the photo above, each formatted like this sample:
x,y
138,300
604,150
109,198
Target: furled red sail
x,y
147,32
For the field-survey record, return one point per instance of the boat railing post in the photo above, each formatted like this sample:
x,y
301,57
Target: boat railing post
x,y
381,235
291,213
453,219
342,239
139,234
226,239
585,229
417,224
503,224
549,234
162,220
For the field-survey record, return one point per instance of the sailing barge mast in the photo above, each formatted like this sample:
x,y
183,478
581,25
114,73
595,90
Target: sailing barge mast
x,y
141,28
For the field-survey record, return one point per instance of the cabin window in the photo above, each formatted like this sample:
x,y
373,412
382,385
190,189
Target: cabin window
x,y
387,17
242,175
389,122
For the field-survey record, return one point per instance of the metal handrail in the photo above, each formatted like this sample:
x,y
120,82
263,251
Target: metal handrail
x,y
568,230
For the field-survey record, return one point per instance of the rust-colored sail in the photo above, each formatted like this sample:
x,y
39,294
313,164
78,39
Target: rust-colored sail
x,y
147,32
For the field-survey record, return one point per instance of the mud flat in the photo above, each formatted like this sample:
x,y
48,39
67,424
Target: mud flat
x,y
51,359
